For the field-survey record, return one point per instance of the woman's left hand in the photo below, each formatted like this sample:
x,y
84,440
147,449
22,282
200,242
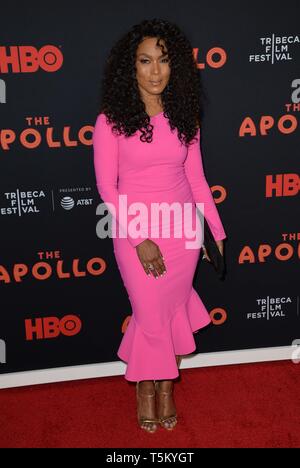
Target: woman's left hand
x,y
220,247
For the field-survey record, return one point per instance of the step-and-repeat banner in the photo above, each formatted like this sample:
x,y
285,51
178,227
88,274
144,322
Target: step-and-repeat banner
x,y
62,299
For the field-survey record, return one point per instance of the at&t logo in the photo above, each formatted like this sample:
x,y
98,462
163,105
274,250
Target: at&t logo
x,y
67,203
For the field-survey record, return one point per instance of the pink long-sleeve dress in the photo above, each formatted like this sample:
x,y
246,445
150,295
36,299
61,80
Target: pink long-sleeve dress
x,y
165,311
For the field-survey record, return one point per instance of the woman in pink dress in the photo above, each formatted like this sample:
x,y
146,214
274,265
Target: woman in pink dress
x,y
146,151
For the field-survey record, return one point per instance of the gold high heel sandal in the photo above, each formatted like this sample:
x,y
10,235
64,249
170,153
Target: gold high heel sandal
x,y
171,416
142,419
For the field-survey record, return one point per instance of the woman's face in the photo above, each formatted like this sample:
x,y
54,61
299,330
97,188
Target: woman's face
x,y
153,68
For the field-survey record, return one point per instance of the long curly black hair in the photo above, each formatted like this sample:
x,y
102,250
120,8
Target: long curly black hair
x,y
120,99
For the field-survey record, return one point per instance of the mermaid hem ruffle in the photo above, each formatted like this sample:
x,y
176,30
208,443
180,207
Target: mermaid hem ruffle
x,y
157,361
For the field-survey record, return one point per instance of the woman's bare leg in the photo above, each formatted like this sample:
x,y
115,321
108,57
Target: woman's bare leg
x,y
146,404
166,403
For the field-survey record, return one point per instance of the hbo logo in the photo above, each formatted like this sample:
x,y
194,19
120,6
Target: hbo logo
x,y
52,327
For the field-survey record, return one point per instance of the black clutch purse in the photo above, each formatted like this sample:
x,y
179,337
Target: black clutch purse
x,y
217,259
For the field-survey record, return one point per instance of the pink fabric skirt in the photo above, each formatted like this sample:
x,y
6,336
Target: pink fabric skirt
x,y
165,311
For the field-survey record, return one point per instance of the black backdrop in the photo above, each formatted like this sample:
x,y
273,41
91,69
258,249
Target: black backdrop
x,y
48,195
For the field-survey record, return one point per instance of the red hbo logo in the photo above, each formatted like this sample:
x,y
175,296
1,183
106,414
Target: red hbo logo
x,y
27,59
52,327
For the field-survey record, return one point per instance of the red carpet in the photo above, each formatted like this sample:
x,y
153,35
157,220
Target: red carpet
x,y
247,405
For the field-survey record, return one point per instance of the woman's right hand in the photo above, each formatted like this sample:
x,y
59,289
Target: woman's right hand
x,y
149,253
205,255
